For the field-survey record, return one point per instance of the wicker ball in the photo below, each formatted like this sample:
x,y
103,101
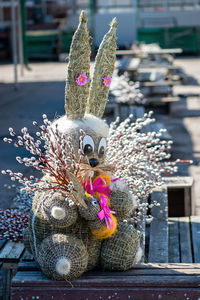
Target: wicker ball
x,y
62,257
118,251
93,246
58,211
122,204
82,231
39,227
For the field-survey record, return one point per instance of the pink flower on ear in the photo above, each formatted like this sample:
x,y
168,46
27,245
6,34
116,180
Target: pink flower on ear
x,y
81,79
106,81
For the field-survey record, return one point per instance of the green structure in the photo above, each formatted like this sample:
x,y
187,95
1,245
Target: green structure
x,y
186,38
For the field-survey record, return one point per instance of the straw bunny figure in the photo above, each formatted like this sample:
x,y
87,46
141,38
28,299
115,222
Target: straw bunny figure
x,y
69,240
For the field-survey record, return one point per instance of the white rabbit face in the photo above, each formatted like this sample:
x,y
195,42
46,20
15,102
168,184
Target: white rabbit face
x,y
94,141
93,147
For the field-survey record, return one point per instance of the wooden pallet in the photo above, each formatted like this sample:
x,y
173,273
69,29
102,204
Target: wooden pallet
x,y
184,240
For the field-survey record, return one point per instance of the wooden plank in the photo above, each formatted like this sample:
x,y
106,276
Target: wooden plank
x,y
156,277
158,242
2,243
27,256
185,240
28,266
187,201
161,100
7,275
195,226
174,253
176,266
142,228
34,279
157,83
143,269
11,252
149,51
178,181
107,293
157,66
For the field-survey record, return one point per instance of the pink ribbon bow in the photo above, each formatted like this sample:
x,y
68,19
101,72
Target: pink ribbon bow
x,y
105,212
97,186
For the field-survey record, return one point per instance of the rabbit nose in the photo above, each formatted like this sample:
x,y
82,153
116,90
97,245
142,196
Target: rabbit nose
x,y
93,162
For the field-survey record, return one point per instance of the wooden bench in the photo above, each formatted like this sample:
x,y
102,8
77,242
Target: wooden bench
x,y
133,52
158,83
10,256
157,88
170,267
135,66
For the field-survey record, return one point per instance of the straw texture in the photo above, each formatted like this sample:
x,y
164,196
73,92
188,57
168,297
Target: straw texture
x,y
59,247
104,66
122,204
118,251
79,63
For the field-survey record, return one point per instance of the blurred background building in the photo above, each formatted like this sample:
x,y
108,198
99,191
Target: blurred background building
x,y
44,28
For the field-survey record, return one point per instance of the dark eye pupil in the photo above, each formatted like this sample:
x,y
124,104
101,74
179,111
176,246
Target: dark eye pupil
x,y
101,151
87,149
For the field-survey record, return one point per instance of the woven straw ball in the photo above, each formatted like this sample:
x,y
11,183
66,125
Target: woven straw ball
x,y
62,257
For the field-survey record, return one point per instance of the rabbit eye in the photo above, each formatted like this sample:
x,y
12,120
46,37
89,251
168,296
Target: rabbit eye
x,y
94,202
102,147
88,145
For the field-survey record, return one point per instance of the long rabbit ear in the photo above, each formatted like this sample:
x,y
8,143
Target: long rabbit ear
x,y
103,70
77,83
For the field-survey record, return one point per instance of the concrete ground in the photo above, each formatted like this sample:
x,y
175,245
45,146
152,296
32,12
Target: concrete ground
x,y
41,90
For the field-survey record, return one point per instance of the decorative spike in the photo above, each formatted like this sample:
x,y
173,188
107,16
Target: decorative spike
x,y
82,17
113,23
103,70
78,73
